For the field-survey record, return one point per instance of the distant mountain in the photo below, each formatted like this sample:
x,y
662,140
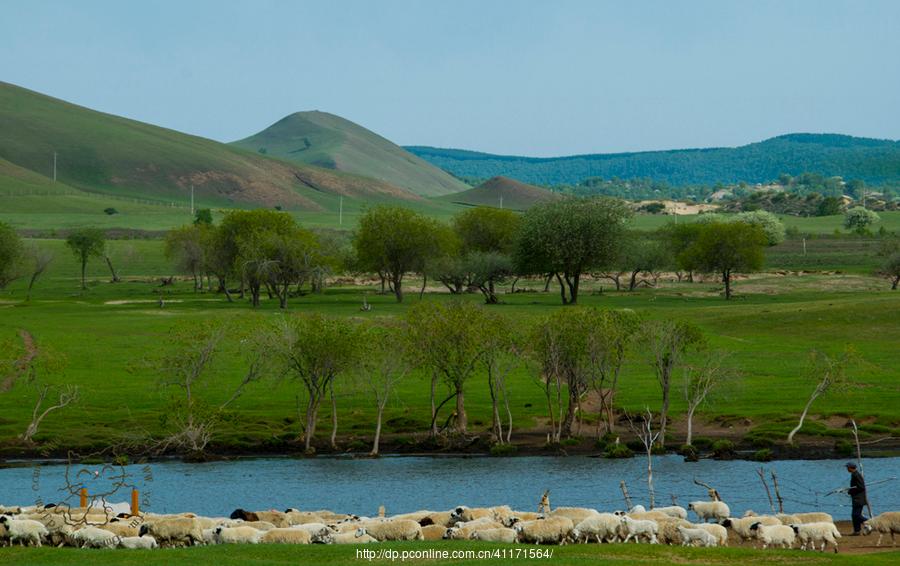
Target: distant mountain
x,y
325,140
875,161
102,153
502,191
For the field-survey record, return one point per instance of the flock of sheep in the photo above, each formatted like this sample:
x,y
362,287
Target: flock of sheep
x,y
96,528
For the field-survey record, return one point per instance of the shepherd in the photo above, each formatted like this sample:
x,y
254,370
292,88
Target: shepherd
x,y
857,493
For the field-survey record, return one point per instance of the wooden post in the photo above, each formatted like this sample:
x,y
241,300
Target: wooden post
x,y
713,493
135,506
83,497
777,493
544,505
674,499
625,493
762,477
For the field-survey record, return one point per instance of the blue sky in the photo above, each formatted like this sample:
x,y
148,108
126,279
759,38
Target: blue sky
x,y
515,77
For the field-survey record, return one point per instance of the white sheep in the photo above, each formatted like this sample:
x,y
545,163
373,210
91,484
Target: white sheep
x,y
317,531
209,536
886,523
813,517
603,527
286,536
463,514
705,510
577,514
145,541
638,509
518,516
500,534
640,528
23,531
668,530
433,532
696,537
553,530
741,525
717,531
92,537
772,535
359,536
404,529
811,534
676,511
463,531
237,535
173,531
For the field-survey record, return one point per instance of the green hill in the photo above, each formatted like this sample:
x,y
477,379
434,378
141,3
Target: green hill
x,y
875,161
502,191
325,140
100,153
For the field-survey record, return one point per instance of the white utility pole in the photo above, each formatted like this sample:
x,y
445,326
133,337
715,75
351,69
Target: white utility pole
x,y
54,166
341,211
501,202
192,199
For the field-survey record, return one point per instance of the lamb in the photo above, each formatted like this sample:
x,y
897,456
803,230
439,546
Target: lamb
x,y
553,530
603,527
138,542
780,535
173,531
318,531
404,529
705,510
237,535
810,534
23,531
717,531
286,536
640,528
676,511
518,516
500,534
577,514
741,526
121,529
359,536
696,537
463,514
886,523
209,536
463,531
92,537
668,530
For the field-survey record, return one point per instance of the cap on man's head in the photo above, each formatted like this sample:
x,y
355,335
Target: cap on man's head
x,y
851,465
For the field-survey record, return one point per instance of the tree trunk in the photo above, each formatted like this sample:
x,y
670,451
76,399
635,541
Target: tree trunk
x,y
797,428
726,278
566,428
461,420
690,425
312,409
83,267
512,288
433,407
547,283
334,417
664,411
378,416
496,430
562,289
397,280
632,282
112,270
893,283
424,283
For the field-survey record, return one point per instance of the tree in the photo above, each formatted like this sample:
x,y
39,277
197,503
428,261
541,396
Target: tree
x,y
86,243
184,246
771,226
487,237
498,358
393,241
486,270
384,363
678,239
203,216
859,219
38,260
569,237
891,269
11,252
726,248
829,374
699,382
315,350
447,339
666,343
611,336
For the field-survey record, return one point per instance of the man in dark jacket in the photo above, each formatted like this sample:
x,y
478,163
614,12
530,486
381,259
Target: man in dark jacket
x,y
857,493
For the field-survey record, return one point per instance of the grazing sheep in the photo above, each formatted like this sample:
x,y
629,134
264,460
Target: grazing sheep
x,y
771,535
705,510
138,542
174,531
553,530
92,537
237,535
676,511
813,517
463,514
518,516
442,518
668,530
286,536
258,525
359,536
810,534
640,528
718,531
577,514
696,537
276,518
433,532
23,531
209,536
463,531
886,523
318,531
603,527
403,529
501,534
295,517
741,526
638,509
243,515
121,529
650,516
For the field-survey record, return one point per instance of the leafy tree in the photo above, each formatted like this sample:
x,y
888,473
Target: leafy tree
x,y
499,357
384,363
678,239
726,248
483,229
569,237
393,241
771,226
203,216
891,268
86,243
700,383
859,219
485,270
185,247
11,253
829,206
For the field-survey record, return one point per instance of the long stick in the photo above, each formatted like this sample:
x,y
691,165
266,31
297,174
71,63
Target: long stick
x,y
777,493
859,464
762,477
625,493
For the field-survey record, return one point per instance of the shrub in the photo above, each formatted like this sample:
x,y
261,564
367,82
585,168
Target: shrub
x,y
845,448
110,211
635,445
723,448
658,449
762,455
503,449
618,451
689,451
703,442
570,442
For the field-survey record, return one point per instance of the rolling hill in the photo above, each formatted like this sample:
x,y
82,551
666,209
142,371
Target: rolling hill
x,y
875,161
502,191
325,140
110,155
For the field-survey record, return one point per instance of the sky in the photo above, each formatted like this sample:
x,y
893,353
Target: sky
x,y
536,78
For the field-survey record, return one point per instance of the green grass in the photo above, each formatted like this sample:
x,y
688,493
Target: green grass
x,y
769,329
347,554
812,225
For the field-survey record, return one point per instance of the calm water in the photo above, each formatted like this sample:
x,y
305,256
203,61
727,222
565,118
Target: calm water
x,y
409,483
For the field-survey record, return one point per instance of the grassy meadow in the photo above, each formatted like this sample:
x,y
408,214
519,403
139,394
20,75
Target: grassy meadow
x,y
108,331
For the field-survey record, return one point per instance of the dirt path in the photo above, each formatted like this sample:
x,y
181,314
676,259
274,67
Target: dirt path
x,y
20,367
846,544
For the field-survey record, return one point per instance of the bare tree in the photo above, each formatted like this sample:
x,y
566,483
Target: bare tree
x,y
648,438
40,259
107,256
384,364
65,397
699,382
499,357
829,374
